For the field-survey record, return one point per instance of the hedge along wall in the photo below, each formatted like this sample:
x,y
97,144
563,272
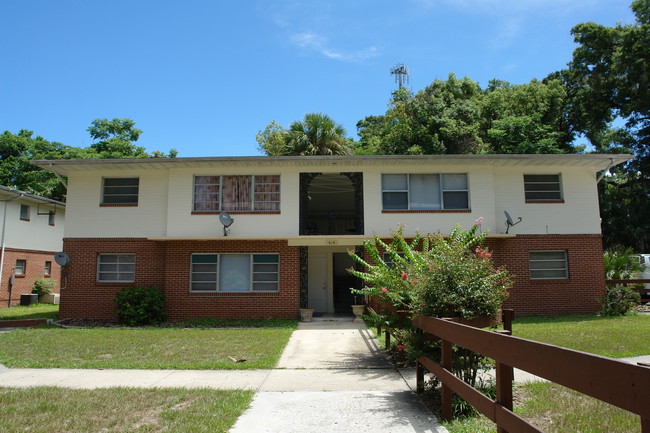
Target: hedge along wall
x,y
166,265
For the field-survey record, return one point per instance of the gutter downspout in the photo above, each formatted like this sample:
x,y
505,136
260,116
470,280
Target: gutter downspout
x,y
2,238
611,164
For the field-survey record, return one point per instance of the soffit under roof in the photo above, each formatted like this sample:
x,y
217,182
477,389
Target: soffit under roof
x,y
596,162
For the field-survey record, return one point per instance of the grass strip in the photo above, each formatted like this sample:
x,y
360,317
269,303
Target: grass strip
x,y
616,337
35,311
48,409
556,409
146,348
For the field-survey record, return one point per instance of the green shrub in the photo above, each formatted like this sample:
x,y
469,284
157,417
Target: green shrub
x,y
43,286
140,306
433,276
619,300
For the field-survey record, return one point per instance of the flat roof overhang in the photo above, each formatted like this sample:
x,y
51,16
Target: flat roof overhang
x,y
298,241
597,162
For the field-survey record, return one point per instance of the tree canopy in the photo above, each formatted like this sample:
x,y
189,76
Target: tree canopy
x,y
316,134
458,116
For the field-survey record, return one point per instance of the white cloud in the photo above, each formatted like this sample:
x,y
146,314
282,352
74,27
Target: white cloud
x,y
318,43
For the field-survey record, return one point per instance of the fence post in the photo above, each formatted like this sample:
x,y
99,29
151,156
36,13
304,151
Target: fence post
x,y
387,337
507,316
419,378
645,425
505,375
447,395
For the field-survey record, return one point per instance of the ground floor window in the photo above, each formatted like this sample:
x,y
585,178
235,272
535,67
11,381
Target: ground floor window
x,y
548,265
234,272
116,267
20,267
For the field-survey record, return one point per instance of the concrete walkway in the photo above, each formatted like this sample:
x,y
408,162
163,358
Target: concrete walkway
x,y
332,377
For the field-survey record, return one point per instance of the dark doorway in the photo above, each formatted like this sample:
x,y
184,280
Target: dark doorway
x,y
343,281
331,203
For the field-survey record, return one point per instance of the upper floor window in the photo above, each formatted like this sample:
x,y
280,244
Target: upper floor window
x,y
542,187
236,193
25,212
234,272
51,218
120,190
425,191
21,265
116,267
548,265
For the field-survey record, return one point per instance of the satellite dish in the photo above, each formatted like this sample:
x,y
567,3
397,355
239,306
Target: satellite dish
x,y
510,222
61,259
227,221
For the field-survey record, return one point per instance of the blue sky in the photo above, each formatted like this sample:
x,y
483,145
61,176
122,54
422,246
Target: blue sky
x,y
205,76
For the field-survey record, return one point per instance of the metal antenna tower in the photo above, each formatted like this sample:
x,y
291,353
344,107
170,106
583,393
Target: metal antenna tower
x,y
401,72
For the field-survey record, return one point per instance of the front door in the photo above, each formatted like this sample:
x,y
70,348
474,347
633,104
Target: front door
x,y
317,282
343,281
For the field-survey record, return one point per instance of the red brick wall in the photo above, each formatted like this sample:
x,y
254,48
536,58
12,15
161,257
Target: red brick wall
x,y
166,265
577,294
574,295
34,270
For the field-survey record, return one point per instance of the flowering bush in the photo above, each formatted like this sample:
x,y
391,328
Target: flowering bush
x,y
434,276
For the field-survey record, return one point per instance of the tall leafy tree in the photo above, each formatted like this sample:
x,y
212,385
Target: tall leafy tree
x,y
16,171
316,134
116,138
458,116
608,81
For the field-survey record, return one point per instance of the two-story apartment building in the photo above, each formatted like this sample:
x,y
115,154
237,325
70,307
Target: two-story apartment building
x,y
31,232
157,222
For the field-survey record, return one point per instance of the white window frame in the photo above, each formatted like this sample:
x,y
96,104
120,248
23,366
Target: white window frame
x,y
560,194
531,260
252,272
441,187
118,271
47,268
254,193
127,198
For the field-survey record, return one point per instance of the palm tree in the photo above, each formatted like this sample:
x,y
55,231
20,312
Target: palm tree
x,y
316,134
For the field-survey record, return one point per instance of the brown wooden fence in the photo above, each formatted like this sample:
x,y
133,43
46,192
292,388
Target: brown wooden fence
x,y
616,382
645,293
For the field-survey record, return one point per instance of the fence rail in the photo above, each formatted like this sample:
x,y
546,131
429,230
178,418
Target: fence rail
x,y
616,382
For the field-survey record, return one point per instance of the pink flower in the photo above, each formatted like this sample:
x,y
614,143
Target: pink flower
x,y
422,304
479,221
488,255
384,290
400,347
498,271
414,281
404,276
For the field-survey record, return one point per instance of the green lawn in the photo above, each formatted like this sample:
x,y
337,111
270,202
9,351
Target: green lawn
x,y
36,311
555,409
146,348
46,410
616,337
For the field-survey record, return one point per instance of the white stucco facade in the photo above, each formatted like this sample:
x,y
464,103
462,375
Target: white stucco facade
x,y
495,185
39,231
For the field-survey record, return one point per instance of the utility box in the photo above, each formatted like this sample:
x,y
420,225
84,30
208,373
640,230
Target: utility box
x,y
29,299
51,298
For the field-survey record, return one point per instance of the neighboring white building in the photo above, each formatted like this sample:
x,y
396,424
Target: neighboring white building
x,y
155,222
31,232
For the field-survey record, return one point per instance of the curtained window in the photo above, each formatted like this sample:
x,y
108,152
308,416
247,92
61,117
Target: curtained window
x,y
236,193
